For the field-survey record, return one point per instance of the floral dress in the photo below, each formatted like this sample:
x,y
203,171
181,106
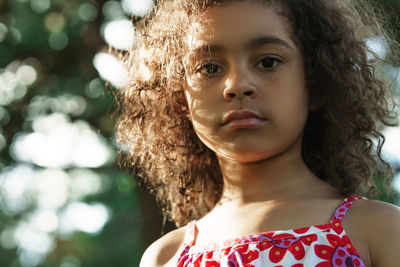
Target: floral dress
x,y
320,246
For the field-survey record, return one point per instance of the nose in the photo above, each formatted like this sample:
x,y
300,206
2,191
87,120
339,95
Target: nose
x,y
238,86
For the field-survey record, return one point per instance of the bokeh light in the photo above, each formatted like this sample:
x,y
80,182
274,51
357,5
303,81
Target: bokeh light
x,y
59,143
51,187
15,36
111,69
7,239
26,74
58,40
391,148
394,76
40,6
16,185
70,261
377,45
396,182
3,32
45,220
34,245
54,21
112,10
89,218
3,142
87,12
14,80
66,104
137,8
4,116
84,182
95,88
56,195
119,34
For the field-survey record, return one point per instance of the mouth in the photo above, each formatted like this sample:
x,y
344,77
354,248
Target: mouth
x,y
242,119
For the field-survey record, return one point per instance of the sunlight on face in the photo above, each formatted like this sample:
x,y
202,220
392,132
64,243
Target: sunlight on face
x,y
242,58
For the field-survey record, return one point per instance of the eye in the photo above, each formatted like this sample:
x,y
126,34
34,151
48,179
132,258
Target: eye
x,y
210,68
268,63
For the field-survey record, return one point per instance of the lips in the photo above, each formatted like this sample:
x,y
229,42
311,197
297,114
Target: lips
x,y
242,119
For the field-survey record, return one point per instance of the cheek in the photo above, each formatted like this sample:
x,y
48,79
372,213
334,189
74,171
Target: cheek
x,y
296,106
204,117
207,134
290,100
204,107
192,82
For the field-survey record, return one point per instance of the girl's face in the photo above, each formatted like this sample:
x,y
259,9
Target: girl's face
x,y
245,82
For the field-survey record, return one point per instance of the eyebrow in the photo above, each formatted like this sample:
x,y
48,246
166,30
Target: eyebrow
x,y
267,39
253,43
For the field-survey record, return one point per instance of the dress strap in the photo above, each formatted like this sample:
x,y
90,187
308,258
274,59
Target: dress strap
x,y
343,208
191,233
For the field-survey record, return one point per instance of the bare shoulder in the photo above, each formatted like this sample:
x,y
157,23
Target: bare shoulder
x,y
379,225
164,249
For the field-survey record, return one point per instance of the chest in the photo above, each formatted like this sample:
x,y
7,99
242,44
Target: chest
x,y
229,224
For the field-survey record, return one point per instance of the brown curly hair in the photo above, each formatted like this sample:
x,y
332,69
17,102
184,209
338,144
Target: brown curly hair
x,y
338,143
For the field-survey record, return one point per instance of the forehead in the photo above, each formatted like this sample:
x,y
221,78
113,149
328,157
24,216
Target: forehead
x,y
238,21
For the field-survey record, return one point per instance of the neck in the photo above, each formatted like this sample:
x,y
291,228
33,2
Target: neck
x,y
279,178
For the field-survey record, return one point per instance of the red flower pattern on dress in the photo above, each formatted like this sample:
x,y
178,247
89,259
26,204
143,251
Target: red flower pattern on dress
x,y
295,265
337,226
324,252
338,254
212,264
264,244
320,246
301,230
297,248
249,257
286,242
238,255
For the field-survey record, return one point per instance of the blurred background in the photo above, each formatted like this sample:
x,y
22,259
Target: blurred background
x,y
63,199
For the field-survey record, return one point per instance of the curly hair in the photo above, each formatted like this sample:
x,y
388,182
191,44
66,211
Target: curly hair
x,y
342,140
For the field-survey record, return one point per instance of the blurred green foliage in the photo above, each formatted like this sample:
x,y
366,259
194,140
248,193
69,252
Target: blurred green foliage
x,y
59,40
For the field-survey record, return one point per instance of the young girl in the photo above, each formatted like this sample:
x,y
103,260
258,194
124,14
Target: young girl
x,y
253,124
